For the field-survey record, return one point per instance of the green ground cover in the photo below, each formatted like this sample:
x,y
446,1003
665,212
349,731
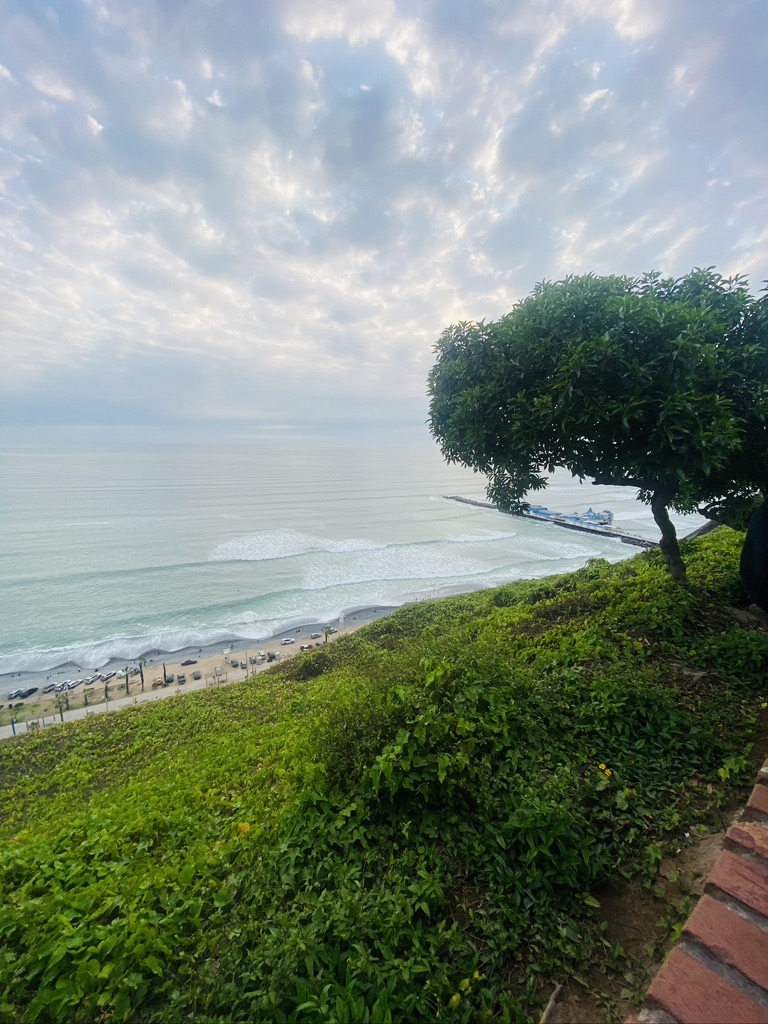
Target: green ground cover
x,y
412,823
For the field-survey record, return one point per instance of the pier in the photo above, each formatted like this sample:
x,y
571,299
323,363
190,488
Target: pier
x,y
601,531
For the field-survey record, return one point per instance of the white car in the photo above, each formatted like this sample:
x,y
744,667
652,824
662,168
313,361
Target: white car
x,y
287,640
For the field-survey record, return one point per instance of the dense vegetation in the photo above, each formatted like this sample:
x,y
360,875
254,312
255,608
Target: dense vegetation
x,y
410,824
656,383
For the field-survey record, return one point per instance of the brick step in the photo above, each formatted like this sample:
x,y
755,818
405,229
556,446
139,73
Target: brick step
x,y
718,971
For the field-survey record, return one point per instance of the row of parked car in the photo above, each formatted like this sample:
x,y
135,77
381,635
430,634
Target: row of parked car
x,y
170,677
67,684
22,694
71,684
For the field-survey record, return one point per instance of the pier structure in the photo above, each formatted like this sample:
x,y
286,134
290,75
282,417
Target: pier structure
x,y
565,522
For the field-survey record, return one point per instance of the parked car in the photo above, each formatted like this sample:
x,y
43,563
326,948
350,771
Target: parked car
x,y
189,661
182,678
49,688
243,665
14,694
314,636
306,647
170,677
197,675
287,640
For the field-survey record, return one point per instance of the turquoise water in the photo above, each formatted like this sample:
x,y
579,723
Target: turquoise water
x,y
108,553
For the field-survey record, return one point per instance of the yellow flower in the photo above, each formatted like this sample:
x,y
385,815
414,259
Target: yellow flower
x,y
601,767
244,827
608,773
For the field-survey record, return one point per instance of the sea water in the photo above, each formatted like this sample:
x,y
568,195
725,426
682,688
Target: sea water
x,y
110,553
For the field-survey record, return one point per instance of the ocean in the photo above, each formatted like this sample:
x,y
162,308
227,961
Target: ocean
x,y
109,553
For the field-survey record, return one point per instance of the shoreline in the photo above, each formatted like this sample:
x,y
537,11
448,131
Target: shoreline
x,y
211,662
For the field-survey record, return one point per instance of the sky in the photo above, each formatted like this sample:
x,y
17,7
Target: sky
x,y
256,217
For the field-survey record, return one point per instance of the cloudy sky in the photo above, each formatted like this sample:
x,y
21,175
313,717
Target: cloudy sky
x,y
259,215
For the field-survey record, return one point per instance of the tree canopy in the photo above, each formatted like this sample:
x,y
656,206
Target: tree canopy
x,y
651,382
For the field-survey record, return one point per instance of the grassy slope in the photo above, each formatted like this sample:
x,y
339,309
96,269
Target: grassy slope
x,y
408,824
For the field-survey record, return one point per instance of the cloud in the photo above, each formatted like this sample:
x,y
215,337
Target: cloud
x,y
296,198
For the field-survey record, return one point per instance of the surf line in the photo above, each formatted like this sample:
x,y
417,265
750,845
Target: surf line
x,y
556,520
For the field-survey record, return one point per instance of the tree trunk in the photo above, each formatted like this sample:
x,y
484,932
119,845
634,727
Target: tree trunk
x,y
668,543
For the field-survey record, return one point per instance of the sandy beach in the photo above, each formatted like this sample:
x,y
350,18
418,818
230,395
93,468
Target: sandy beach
x,y
215,668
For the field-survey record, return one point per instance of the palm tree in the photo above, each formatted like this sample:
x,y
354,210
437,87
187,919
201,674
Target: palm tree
x,y
62,700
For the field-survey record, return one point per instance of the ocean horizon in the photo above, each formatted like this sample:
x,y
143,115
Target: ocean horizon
x,y
112,551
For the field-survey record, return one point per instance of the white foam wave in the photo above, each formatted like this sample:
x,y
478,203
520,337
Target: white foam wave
x,y
481,536
408,562
89,522
114,649
272,544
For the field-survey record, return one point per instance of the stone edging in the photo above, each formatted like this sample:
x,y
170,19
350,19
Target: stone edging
x,y
718,971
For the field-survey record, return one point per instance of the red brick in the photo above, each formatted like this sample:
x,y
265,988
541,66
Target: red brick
x,y
762,775
691,992
734,941
748,837
744,880
757,805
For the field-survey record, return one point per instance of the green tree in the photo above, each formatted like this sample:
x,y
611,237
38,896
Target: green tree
x,y
656,383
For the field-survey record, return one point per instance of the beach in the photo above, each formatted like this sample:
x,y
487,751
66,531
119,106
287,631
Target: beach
x,y
174,553
214,666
